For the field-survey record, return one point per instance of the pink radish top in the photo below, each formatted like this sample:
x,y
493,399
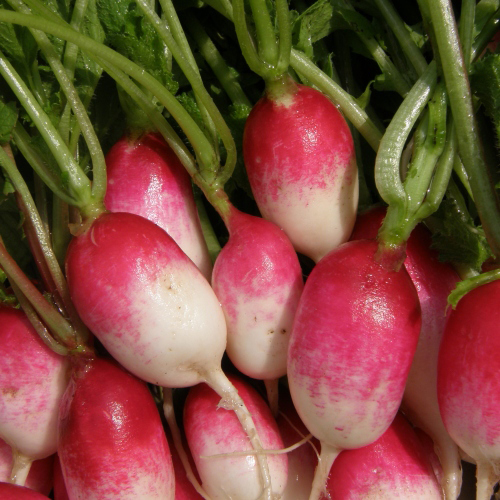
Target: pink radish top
x,y
394,467
258,279
146,178
352,343
468,373
32,381
111,439
211,430
300,160
14,492
145,300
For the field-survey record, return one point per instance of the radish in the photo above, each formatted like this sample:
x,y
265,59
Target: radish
x,y
40,473
152,308
16,492
145,177
111,439
212,430
32,381
302,461
468,381
351,347
301,164
434,280
258,280
60,492
394,467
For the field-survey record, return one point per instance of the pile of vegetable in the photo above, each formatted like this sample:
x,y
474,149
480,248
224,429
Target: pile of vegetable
x,y
249,250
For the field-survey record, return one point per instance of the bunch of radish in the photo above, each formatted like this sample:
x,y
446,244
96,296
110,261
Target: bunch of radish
x,y
207,313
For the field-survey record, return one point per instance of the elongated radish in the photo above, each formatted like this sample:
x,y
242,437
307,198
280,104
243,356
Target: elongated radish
x,y
146,178
212,430
111,439
32,381
434,280
468,381
258,280
352,343
152,308
10,491
394,467
40,474
300,160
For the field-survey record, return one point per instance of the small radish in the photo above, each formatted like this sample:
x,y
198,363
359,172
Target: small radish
x,y
301,164
394,467
352,343
111,439
152,309
211,430
146,178
469,381
40,473
302,461
434,280
32,381
258,280
10,491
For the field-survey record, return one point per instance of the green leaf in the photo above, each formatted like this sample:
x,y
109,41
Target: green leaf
x,y
8,119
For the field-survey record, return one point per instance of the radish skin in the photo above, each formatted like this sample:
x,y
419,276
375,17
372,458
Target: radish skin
x,y
394,467
433,280
32,381
10,491
212,430
468,381
352,343
152,309
111,439
258,280
300,160
145,177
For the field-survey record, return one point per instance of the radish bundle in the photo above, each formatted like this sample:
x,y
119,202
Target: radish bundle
x,y
280,117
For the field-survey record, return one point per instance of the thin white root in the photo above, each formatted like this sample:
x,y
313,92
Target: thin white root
x,y
326,458
168,410
231,400
272,390
487,475
21,465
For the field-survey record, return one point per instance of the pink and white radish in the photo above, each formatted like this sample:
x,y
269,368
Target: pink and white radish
x,y
469,381
145,177
258,280
394,467
302,461
40,474
32,381
152,309
352,343
211,430
434,280
301,164
111,439
10,491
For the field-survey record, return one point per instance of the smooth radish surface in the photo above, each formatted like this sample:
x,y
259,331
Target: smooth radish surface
x,y
32,381
59,492
352,343
300,160
111,439
146,301
469,381
15,492
145,177
302,461
152,309
212,430
40,473
258,280
433,280
394,467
